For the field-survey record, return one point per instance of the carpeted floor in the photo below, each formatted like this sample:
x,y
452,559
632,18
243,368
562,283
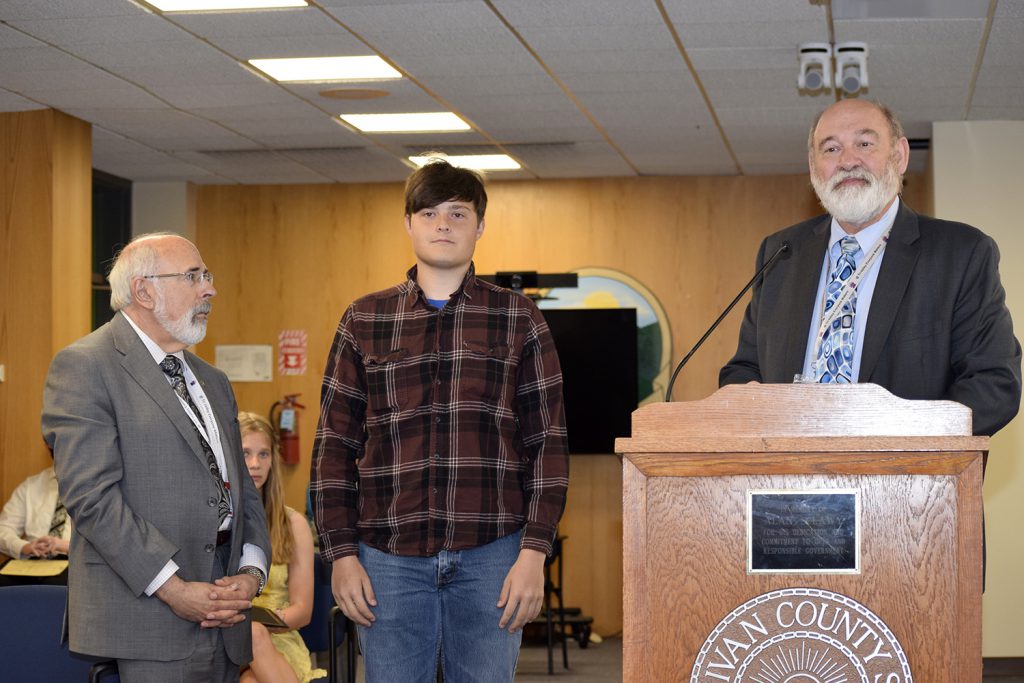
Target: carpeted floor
x,y
597,663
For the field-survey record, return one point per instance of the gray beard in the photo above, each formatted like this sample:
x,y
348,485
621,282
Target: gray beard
x,y
186,329
857,205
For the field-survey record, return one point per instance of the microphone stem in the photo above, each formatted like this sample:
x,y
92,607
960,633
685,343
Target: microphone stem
x,y
671,383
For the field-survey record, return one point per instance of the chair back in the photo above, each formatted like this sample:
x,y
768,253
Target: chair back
x,y
30,631
314,634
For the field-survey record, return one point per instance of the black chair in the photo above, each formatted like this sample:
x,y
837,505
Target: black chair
x,y
321,633
104,672
30,631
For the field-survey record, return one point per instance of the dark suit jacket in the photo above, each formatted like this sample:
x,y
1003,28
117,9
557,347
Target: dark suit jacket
x,y
938,327
134,478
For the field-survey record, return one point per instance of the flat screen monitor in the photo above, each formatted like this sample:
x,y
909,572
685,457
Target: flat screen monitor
x,y
597,349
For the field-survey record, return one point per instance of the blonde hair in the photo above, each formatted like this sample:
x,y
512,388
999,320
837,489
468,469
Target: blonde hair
x,y
281,541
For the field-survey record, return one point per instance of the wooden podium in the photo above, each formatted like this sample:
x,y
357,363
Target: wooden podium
x,y
910,610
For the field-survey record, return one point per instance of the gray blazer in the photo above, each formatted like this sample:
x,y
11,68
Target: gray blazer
x,y
133,476
938,326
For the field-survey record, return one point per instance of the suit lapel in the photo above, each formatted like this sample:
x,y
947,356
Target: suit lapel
x,y
139,364
798,291
900,257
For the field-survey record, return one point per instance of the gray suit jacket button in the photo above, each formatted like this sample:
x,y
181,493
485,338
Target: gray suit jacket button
x,y
212,501
209,548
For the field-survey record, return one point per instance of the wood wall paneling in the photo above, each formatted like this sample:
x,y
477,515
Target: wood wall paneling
x,y
45,227
293,257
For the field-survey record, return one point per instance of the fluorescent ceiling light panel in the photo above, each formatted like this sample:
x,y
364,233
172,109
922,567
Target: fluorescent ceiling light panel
x,y
322,69
222,5
428,122
476,162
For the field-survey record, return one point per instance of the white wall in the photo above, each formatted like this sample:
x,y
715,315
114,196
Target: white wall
x,y
978,180
164,207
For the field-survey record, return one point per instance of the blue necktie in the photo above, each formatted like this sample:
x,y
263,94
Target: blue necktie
x,y
835,354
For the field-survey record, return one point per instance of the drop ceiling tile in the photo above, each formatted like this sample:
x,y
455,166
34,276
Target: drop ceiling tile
x,y
26,80
309,140
209,96
429,139
579,160
695,11
999,96
524,132
997,113
11,38
266,112
310,124
751,34
402,97
174,170
665,60
531,83
434,18
12,102
948,33
124,96
213,72
909,9
352,165
43,58
339,43
578,13
64,9
296,22
1005,47
109,147
740,58
1001,76
254,166
91,30
583,36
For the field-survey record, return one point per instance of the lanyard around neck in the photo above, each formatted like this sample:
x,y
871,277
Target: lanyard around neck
x,y
849,288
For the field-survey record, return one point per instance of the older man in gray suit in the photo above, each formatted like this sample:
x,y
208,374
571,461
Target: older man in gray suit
x,y
170,542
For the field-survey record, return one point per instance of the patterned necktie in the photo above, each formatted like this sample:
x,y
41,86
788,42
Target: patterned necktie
x,y
835,353
172,368
60,517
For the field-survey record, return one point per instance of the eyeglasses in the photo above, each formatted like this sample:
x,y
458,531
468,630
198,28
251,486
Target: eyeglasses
x,y
193,277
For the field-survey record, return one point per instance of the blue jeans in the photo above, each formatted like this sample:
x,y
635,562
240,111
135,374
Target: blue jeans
x,y
441,606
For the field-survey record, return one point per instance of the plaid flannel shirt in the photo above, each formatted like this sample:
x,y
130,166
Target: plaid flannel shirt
x,y
439,429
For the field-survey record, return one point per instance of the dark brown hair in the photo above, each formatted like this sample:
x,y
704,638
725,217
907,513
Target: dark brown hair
x,y
437,182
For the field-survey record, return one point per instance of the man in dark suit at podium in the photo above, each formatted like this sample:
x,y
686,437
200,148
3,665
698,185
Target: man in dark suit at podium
x,y
874,292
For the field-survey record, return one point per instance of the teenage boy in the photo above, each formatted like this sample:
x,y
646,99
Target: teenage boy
x,y
439,467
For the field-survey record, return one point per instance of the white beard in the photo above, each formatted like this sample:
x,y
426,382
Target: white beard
x,y
187,329
855,204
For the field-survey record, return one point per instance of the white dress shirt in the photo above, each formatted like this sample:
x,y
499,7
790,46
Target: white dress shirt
x,y
29,513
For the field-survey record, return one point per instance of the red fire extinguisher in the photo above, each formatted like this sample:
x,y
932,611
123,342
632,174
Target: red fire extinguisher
x,y
287,421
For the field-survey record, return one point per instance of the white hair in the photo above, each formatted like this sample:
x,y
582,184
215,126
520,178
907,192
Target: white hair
x,y
137,259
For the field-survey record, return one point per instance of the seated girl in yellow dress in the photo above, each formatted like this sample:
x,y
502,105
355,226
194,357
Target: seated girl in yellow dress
x,y
279,655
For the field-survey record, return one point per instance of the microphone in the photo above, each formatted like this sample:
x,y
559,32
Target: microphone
x,y
782,252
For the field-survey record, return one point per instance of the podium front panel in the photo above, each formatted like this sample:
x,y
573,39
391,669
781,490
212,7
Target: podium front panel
x,y
911,613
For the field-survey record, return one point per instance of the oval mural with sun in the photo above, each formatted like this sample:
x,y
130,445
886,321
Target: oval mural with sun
x,y
609,288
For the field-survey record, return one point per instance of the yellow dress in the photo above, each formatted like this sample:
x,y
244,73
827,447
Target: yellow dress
x,y
289,643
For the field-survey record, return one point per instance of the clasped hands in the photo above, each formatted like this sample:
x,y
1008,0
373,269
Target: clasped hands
x,y
45,547
212,605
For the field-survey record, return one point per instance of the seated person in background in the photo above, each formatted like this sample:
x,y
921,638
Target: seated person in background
x,y
34,524
279,655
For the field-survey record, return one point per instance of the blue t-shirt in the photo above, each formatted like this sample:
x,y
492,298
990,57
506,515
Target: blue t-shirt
x,y
437,303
